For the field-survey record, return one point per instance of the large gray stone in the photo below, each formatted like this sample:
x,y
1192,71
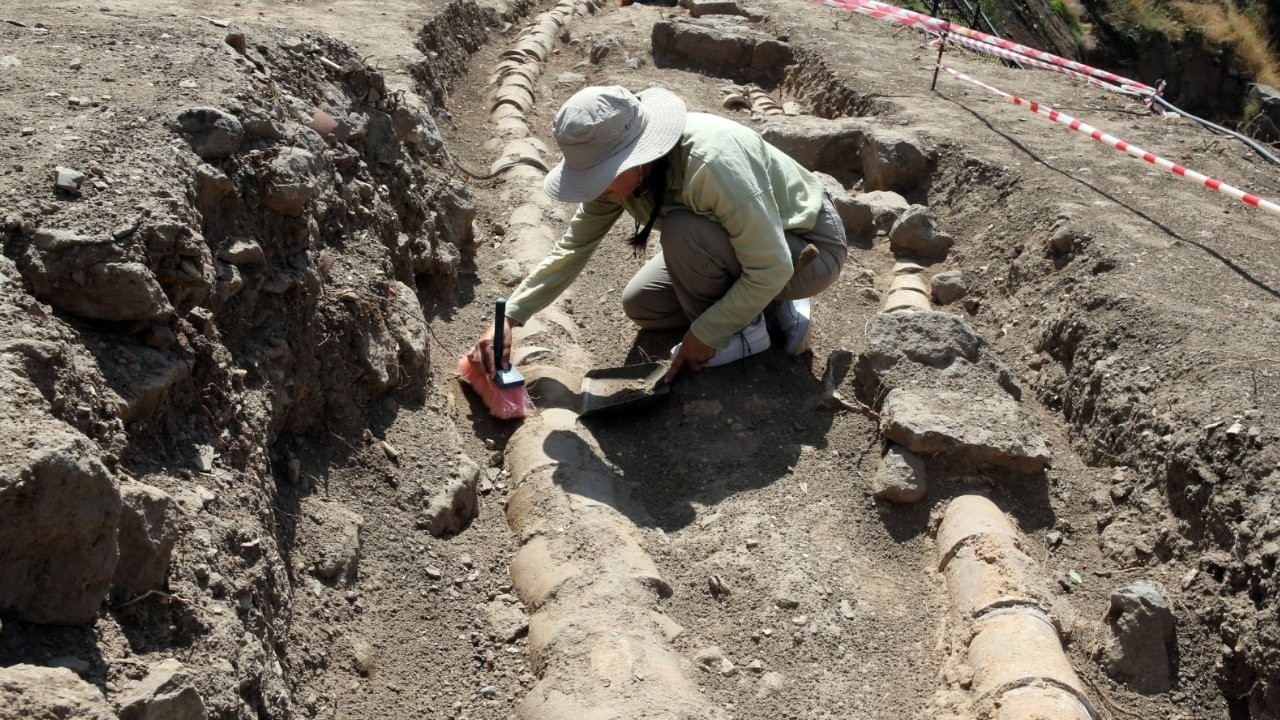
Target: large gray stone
x,y
166,693
723,46
901,477
407,324
886,207
212,133
92,277
30,692
829,146
148,531
143,385
699,8
68,180
948,286
892,161
1142,638
914,234
935,340
241,250
854,214
291,181
985,430
59,514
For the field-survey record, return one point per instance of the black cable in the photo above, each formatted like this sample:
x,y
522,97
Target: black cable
x,y
1243,138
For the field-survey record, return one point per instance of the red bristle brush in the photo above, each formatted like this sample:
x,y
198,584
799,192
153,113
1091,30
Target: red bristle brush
x,y
503,392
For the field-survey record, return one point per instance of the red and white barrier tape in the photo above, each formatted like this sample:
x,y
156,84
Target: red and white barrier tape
x,y
901,16
1117,143
1031,62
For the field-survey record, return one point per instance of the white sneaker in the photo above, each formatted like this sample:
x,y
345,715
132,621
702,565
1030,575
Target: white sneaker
x,y
751,340
792,317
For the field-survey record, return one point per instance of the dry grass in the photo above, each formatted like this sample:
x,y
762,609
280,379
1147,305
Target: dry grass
x,y
1222,22
1144,14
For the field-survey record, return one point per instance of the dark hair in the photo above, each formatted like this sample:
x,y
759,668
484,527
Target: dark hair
x,y
656,186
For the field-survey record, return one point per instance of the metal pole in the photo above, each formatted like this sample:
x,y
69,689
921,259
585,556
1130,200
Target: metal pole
x,y
937,65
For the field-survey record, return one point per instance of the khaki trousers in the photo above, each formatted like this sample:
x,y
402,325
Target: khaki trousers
x,y
697,266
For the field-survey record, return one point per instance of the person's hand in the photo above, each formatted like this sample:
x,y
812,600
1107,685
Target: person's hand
x,y
693,352
482,353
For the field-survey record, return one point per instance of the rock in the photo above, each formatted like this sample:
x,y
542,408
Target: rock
x,y
27,131
408,326
167,693
819,144
886,207
989,430
891,161
900,478
9,61
92,277
240,250
259,124
212,133
328,542
712,659
1142,638
509,272
721,46
914,233
1268,99
148,531
141,378
571,80
67,180
212,187
846,610
424,134
719,587
291,181
901,347
603,48
79,666
948,286
506,621
771,683
59,513
854,214
698,8
32,692
451,507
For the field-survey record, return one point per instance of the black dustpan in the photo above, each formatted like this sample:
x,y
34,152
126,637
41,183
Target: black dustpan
x,y
611,390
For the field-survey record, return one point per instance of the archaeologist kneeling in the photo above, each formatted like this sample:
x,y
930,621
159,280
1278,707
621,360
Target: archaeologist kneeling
x,y
734,213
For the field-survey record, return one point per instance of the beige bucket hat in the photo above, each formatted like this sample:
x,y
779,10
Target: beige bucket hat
x,y
603,131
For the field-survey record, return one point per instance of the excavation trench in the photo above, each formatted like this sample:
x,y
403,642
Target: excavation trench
x,y
584,511
760,543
